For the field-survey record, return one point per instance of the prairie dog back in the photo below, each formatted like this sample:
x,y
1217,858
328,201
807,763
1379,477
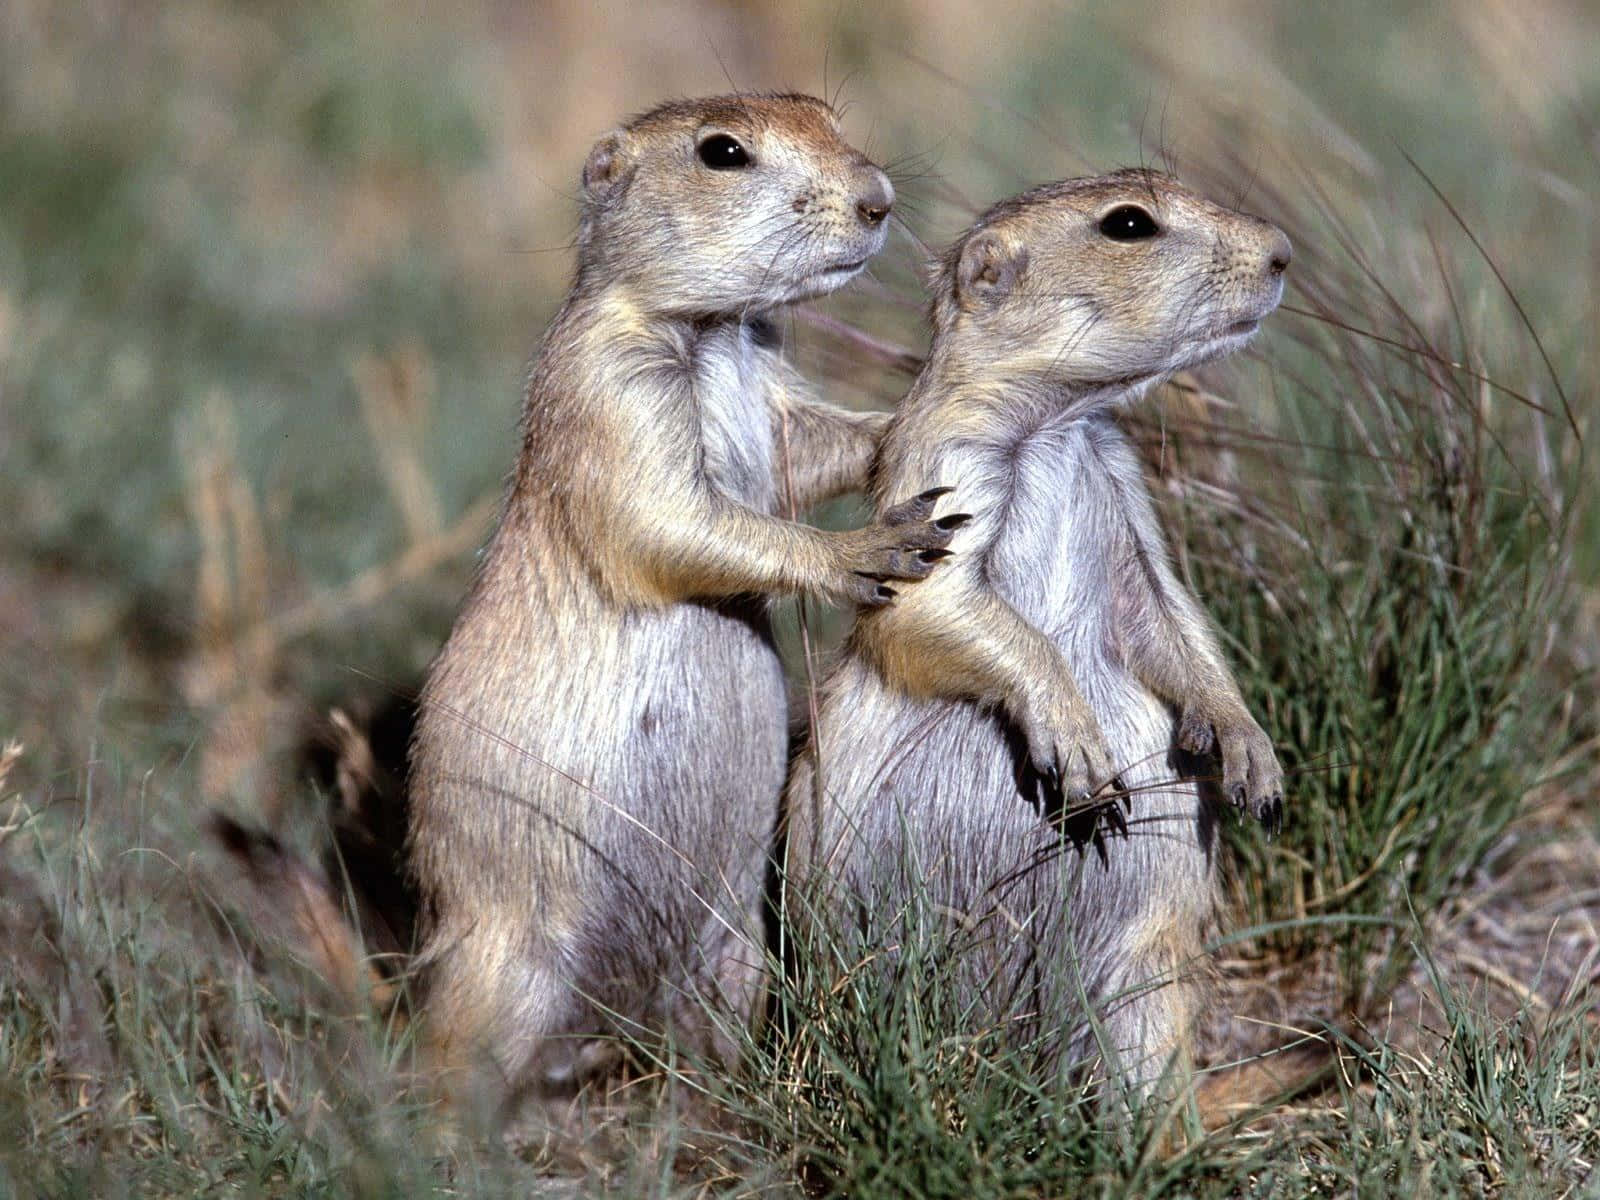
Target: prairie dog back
x,y
1013,749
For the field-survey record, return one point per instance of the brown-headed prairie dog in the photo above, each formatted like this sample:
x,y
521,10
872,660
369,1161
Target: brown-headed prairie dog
x,y
1057,651
600,747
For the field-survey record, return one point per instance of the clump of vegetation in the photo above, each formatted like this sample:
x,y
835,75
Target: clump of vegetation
x,y
863,1090
1393,567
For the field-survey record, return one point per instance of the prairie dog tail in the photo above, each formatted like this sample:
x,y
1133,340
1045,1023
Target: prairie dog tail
x,y
348,912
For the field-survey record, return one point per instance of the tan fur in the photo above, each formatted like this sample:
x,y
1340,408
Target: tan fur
x,y
295,903
1061,621
600,746
991,362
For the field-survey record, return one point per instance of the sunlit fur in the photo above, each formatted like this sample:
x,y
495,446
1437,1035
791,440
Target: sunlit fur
x,y
600,747
1058,638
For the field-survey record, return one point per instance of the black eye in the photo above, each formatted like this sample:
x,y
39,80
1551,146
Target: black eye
x,y
1128,223
723,153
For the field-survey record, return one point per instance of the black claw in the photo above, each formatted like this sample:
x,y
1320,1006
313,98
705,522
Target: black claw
x,y
953,521
885,592
1238,795
1272,816
934,554
935,493
1043,788
1112,816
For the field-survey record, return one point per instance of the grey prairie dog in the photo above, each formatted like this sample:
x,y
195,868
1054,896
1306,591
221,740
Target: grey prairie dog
x,y
600,748
1057,655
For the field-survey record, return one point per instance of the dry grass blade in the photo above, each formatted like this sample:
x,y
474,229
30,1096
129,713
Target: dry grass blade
x,y
394,391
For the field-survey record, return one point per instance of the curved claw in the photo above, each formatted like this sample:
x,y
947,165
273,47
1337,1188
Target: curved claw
x,y
1041,788
919,508
952,522
1112,817
1271,815
871,591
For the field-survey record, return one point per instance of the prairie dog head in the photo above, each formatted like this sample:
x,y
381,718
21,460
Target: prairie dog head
x,y
1109,281
731,204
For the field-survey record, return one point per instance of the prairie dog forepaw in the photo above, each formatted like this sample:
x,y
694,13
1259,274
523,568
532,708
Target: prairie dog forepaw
x,y
1067,752
1251,776
918,508
1195,734
904,545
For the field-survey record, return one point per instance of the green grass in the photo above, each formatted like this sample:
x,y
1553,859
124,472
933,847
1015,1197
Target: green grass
x,y
1392,591
216,224
160,1046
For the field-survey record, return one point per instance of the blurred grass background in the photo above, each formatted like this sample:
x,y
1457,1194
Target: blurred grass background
x,y
220,224
269,278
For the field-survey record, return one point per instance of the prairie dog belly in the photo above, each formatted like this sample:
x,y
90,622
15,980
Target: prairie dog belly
x,y
924,793
684,669
1057,563
682,843
606,750
679,843
614,774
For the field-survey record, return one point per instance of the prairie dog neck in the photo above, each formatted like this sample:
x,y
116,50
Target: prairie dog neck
x,y
956,385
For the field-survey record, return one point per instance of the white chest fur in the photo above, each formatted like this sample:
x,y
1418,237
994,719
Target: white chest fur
x,y
730,383
1065,531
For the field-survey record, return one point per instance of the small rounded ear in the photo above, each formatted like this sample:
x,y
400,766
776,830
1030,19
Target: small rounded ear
x,y
608,166
988,270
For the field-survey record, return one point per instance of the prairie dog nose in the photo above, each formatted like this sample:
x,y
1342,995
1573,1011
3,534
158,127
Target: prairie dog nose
x,y
1279,252
874,196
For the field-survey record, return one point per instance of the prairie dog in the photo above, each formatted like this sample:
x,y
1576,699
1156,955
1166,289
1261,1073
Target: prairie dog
x,y
1058,640
600,745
